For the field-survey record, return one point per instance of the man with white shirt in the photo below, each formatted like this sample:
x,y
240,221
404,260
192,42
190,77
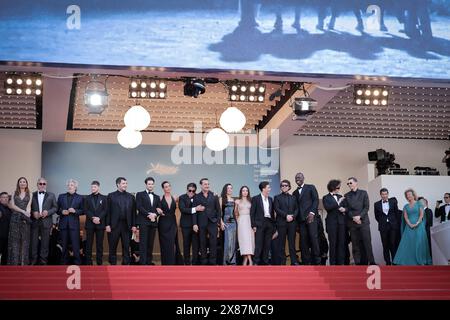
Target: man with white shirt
x,y
389,221
428,217
335,222
307,206
443,210
43,207
190,238
263,223
148,205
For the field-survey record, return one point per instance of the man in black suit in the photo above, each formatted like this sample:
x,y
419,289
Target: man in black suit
x,y
43,207
262,218
356,204
148,205
335,222
307,206
389,218
285,208
120,221
95,207
70,207
5,218
428,216
207,221
443,210
190,238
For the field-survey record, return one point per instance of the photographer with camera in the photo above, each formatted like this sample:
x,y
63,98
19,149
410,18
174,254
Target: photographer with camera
x,y
443,209
446,160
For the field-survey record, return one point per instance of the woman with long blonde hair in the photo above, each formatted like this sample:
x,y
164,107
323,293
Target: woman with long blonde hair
x,y
413,248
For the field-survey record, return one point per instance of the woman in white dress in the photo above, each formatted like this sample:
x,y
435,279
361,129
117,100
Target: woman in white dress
x,y
246,236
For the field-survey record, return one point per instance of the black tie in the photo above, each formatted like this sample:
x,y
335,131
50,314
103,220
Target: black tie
x,y
96,201
41,192
385,201
151,202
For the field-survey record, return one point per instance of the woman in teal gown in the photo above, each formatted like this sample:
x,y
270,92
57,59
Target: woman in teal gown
x,y
413,248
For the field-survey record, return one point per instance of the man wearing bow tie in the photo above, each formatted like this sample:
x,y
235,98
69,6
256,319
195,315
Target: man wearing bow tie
x,y
335,222
95,209
443,211
43,207
190,238
149,208
389,221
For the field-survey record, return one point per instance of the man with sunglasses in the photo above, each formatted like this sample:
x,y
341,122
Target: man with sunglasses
x,y
443,210
43,207
356,204
285,208
190,237
335,222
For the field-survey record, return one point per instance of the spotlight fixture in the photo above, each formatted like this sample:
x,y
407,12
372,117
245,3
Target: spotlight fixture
x,y
23,84
246,91
194,87
304,106
96,96
370,95
147,89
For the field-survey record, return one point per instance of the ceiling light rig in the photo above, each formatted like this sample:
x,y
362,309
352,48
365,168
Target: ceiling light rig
x,y
23,84
240,91
365,95
147,89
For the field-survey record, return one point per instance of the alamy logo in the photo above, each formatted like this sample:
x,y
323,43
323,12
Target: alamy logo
x,y
258,149
374,280
373,22
74,20
74,280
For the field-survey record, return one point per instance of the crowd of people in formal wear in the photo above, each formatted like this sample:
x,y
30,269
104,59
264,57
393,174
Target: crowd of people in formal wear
x,y
216,229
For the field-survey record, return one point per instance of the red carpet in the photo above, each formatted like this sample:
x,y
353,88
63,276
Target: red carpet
x,y
225,283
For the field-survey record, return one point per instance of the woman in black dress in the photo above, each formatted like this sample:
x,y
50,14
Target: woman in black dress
x,y
167,226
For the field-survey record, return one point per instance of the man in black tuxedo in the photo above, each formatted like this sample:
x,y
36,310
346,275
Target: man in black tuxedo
x,y
307,206
190,238
43,207
356,204
443,210
428,216
335,222
285,208
70,207
148,205
5,218
95,207
120,221
389,217
207,221
262,218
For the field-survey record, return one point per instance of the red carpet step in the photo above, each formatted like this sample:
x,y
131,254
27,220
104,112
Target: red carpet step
x,y
224,283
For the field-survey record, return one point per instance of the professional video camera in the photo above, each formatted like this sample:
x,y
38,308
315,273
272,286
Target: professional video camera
x,y
384,161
